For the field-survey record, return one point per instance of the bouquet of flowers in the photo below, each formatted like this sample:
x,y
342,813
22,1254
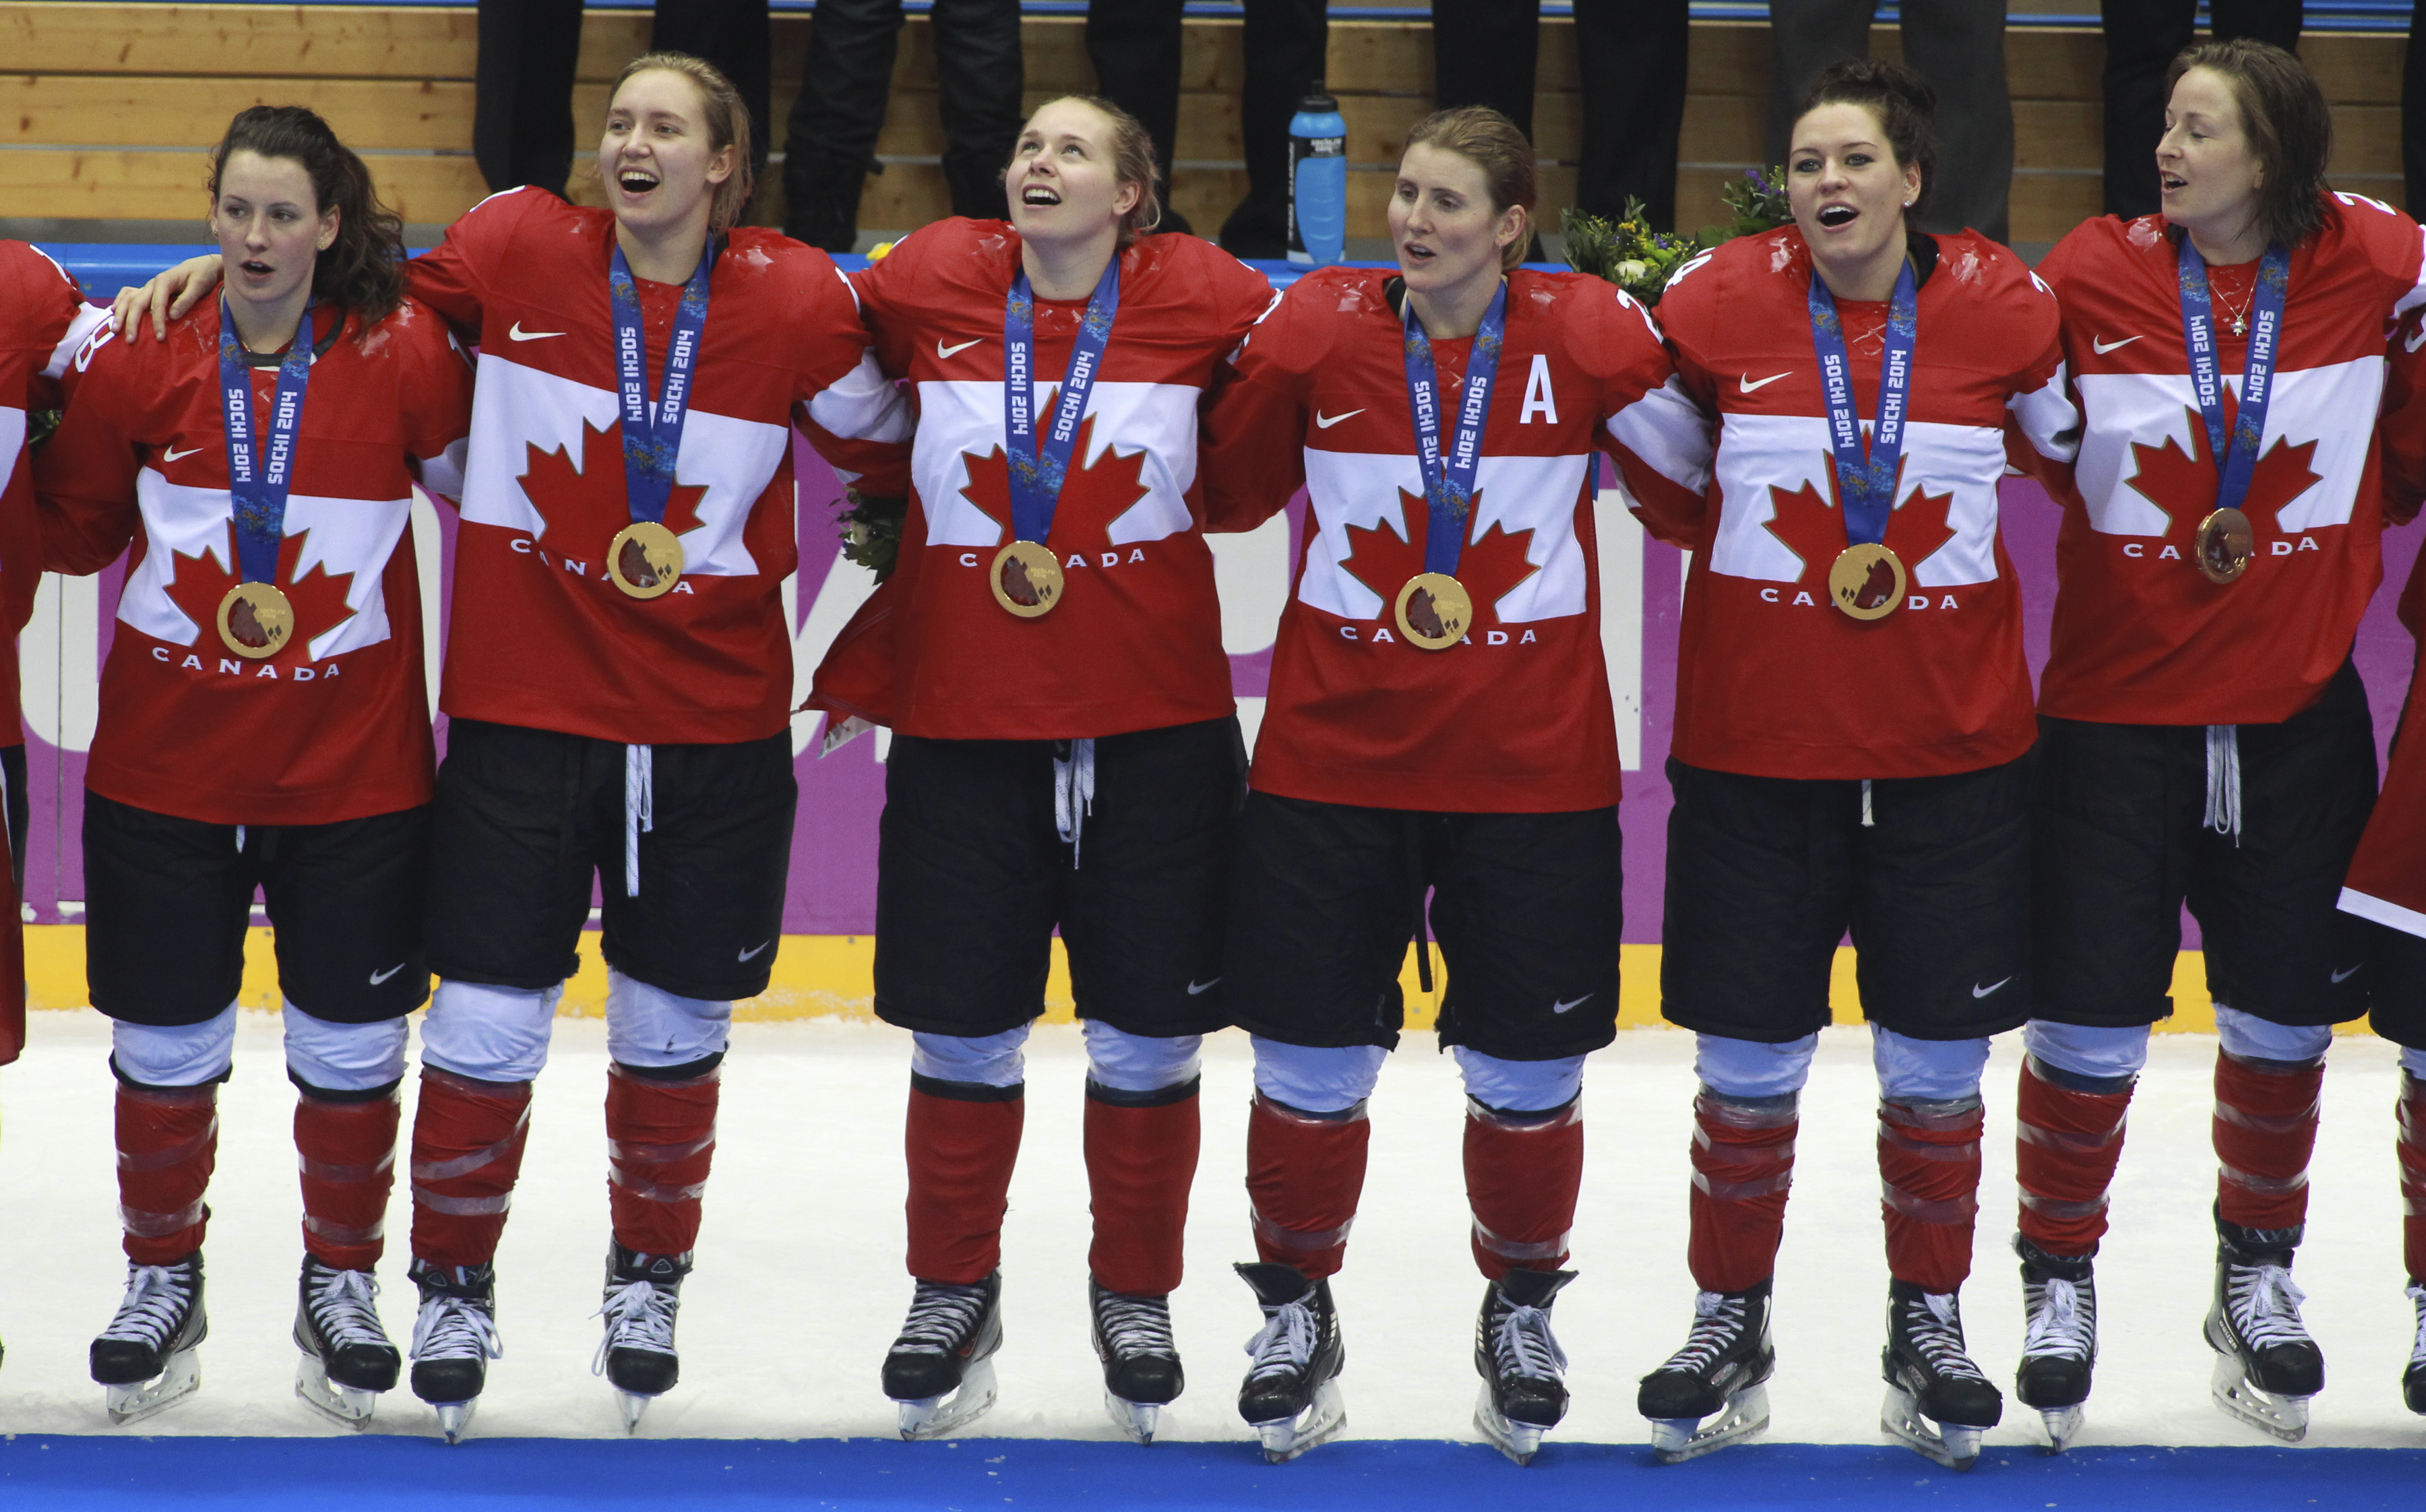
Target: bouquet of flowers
x,y
1639,260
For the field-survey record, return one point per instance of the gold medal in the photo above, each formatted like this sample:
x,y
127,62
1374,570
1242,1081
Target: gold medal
x,y
1866,581
645,559
1025,579
2225,546
256,620
1433,610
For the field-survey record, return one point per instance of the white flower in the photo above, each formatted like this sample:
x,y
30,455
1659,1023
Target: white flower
x,y
1633,270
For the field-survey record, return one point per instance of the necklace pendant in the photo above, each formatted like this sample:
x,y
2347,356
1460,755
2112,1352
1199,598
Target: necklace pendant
x,y
2240,326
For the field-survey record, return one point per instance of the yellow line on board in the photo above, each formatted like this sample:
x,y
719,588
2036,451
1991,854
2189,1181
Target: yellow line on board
x,y
835,977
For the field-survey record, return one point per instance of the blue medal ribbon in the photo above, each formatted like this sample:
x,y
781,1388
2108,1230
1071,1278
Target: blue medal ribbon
x,y
1866,487
1037,470
257,483
2237,460
653,433
1449,480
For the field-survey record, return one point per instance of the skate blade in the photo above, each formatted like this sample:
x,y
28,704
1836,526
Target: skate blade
x,y
455,1419
179,1378
346,1405
935,1416
1674,1440
1954,1445
634,1406
1519,1441
1285,1438
1138,1419
2285,1417
2063,1426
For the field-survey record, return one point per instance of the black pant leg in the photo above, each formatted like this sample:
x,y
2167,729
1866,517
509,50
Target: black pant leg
x,y
1632,55
1288,44
830,142
1135,45
980,72
731,34
1483,54
2264,21
2413,117
522,92
1959,47
2142,37
1805,36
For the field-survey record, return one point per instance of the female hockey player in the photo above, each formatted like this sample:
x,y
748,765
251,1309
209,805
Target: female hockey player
x,y
2203,733
618,668
1852,733
264,723
1066,752
1439,719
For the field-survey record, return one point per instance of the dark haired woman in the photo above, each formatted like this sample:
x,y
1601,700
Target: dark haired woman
x,y
1852,733
618,668
1439,719
262,724
2203,733
1066,751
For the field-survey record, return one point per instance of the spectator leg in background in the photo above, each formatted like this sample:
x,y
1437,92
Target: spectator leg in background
x,y
2142,37
979,73
1632,55
1959,47
1288,44
1483,54
830,142
1135,45
731,34
521,94
2413,126
1805,37
2265,20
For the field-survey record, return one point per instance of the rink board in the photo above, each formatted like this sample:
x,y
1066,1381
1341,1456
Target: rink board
x,y
371,1475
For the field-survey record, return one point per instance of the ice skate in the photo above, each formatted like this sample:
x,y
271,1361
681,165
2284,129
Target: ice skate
x,y
346,1360
2413,1380
145,1359
1142,1373
2060,1341
637,1355
1291,1394
1722,1375
2266,1365
941,1370
453,1341
1524,1391
1937,1401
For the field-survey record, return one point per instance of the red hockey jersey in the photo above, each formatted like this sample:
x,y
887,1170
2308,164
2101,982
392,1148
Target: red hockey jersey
x,y
2140,635
1135,642
337,724
1771,678
1515,718
538,635
43,319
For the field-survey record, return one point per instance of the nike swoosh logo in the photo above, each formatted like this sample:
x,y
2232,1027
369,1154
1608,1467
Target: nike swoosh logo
x,y
760,948
2347,972
173,454
518,333
1562,1007
377,977
1977,991
948,352
2102,348
1324,422
2416,341
1195,987
1751,387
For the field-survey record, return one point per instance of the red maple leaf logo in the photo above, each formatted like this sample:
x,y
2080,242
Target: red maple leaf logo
x,y
1093,495
586,505
1811,528
318,596
1490,569
2184,485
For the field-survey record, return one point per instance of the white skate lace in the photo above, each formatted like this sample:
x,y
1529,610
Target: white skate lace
x,y
2059,1326
940,1315
1285,1343
158,1297
1523,1345
345,1308
640,1315
455,1328
1133,1326
2417,1347
2264,1303
1718,1321
1931,1324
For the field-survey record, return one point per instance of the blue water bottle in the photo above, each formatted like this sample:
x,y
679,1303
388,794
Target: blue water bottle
x,y
1317,178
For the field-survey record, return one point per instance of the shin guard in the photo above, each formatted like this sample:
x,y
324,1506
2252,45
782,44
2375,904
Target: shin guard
x,y
1928,1188
167,1141
2066,1146
1141,1152
347,1153
2411,1112
962,1140
1305,1174
1743,1165
1523,1171
2265,1128
467,1151
660,1139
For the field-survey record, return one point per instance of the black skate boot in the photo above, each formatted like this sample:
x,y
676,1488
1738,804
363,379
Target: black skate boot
x,y
2266,1367
2413,1380
1931,1381
1291,1394
945,1350
348,1359
2059,1341
1142,1373
1524,1393
637,1356
453,1341
146,1357
1722,1371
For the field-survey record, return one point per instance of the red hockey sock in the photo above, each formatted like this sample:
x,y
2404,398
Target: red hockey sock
x,y
1744,1164
467,1149
2066,1146
1305,1172
1929,1176
1521,1173
1141,1163
962,1140
347,1154
661,1137
167,1141
2410,1111
2265,1127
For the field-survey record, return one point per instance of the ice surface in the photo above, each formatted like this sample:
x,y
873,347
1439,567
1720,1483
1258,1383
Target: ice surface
x,y
800,1284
